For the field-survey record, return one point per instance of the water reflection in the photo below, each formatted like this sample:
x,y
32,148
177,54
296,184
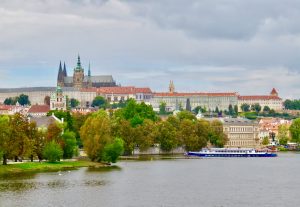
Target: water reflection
x,y
17,186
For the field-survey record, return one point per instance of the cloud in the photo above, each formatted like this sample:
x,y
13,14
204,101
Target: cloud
x,y
244,46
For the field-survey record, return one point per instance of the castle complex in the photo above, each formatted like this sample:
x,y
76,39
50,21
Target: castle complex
x,y
80,80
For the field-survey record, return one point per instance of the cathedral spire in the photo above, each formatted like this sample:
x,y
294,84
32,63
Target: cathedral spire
x,y
65,70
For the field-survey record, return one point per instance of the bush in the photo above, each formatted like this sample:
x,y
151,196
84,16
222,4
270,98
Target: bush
x,y
113,151
70,145
52,152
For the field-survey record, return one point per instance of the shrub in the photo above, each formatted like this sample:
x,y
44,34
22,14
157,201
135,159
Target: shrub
x,y
52,152
113,151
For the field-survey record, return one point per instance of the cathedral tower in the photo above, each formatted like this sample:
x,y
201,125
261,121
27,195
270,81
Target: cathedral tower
x,y
60,76
78,75
171,87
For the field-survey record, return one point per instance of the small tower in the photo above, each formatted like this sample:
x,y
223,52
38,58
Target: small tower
x,y
58,100
171,87
274,93
60,76
89,76
78,75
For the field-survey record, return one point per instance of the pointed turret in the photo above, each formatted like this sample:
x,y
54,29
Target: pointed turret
x,y
78,66
274,92
60,77
171,87
65,70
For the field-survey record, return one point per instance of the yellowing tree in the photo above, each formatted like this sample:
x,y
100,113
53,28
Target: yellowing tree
x,y
95,134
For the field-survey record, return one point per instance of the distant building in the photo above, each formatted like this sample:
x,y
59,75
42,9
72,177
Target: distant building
x,y
241,132
58,101
273,101
38,110
175,100
80,80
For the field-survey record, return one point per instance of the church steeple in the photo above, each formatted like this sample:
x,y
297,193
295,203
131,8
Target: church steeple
x,y
171,87
60,76
65,70
78,66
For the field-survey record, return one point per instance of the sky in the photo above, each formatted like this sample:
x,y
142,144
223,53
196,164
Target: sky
x,y
247,46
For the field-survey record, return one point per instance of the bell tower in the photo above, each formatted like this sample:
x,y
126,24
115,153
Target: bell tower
x,y
171,87
78,75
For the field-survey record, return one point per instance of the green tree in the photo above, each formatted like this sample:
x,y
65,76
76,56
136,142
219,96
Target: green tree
x,y
7,144
10,101
112,151
78,121
186,115
146,135
295,130
217,110
245,107
266,109
52,151
69,144
74,103
230,110
256,107
265,141
167,137
95,134
193,135
23,100
100,102
216,135
162,108
283,134
236,109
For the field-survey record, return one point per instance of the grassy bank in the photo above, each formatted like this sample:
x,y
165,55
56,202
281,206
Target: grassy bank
x,y
46,166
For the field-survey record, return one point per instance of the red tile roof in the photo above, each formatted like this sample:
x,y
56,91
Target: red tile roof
x,y
274,91
122,90
259,98
5,107
195,94
39,109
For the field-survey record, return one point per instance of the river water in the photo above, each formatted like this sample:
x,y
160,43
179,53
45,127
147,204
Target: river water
x,y
216,182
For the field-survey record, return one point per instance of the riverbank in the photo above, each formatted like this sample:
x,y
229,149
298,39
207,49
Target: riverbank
x,y
46,166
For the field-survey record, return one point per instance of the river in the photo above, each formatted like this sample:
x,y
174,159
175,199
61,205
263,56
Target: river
x,y
209,182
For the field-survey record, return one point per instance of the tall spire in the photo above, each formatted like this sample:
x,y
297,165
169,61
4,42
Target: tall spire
x,y
59,71
65,70
89,71
78,61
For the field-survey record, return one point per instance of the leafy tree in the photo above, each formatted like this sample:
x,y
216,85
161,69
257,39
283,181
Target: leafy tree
x,y
69,147
52,151
256,107
74,103
162,108
10,101
266,109
54,132
100,102
283,134
245,107
23,100
33,135
193,135
167,136
146,135
292,104
230,110
95,134
217,110
216,135
78,121
188,105
136,113
112,151
66,115
186,115
7,144
236,109
199,108
295,130
265,141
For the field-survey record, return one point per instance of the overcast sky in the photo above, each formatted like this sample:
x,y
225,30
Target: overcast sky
x,y
245,46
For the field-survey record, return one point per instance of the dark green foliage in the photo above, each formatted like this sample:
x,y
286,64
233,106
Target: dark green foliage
x,y
295,130
74,103
66,115
216,135
188,105
100,102
112,151
162,108
69,144
266,109
22,99
256,107
292,104
199,108
136,113
52,151
245,107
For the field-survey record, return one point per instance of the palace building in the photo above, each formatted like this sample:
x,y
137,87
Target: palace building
x,y
81,80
